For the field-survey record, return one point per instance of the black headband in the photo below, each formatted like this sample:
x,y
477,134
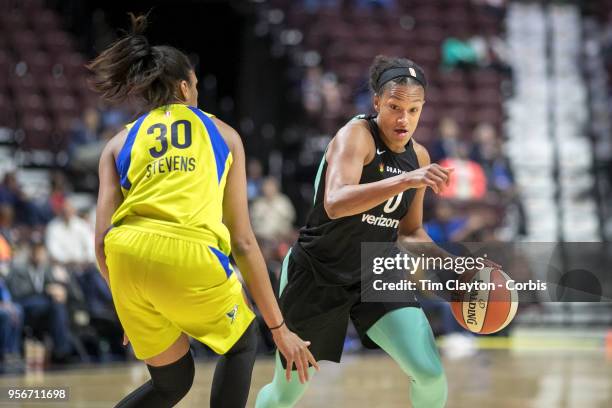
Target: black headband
x,y
393,73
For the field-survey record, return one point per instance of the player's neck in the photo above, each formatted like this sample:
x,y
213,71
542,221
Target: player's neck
x,y
393,143
396,146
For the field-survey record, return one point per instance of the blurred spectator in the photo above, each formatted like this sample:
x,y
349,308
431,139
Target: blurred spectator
x,y
449,226
11,323
488,153
70,239
26,211
459,53
273,213
43,293
312,99
70,242
84,146
468,180
6,251
87,129
91,133
446,144
489,51
114,117
485,137
500,178
322,99
332,111
59,190
254,179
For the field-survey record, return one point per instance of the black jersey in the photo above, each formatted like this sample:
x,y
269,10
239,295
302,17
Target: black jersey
x,y
331,248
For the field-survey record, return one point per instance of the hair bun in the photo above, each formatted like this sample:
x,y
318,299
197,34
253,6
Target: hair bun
x,y
139,24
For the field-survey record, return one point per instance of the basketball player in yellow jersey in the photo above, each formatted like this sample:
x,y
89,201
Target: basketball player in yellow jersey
x,y
171,206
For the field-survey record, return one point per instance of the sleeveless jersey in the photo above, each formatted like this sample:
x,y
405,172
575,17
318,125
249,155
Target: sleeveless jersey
x,y
173,168
331,248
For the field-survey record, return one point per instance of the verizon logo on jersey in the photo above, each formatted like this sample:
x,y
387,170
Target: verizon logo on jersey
x,y
380,221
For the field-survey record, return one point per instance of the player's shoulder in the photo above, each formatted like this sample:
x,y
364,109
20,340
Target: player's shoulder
x,y
421,153
356,132
116,143
228,133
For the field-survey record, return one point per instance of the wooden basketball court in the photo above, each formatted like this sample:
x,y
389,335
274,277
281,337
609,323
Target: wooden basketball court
x,y
497,376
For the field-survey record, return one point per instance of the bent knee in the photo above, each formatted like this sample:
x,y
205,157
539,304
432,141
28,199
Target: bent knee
x,y
175,380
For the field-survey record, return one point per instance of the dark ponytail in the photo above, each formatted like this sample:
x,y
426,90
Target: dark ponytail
x,y
131,67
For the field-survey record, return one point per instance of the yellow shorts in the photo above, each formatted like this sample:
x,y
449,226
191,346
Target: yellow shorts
x,y
166,280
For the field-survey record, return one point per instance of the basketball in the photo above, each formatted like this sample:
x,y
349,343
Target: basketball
x,y
486,305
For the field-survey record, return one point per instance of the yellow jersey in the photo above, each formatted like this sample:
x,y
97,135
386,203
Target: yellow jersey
x,y
173,168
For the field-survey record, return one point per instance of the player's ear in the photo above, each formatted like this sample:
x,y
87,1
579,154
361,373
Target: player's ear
x,y
184,90
376,103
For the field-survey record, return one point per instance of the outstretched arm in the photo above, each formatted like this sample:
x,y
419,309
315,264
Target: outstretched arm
x,y
248,256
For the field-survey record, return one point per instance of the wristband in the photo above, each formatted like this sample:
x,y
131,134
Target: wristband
x,y
277,327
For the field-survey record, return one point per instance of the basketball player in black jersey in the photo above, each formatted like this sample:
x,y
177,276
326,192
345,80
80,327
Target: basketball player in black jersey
x,y
369,188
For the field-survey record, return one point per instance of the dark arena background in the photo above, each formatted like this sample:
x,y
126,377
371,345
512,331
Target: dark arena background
x,y
518,103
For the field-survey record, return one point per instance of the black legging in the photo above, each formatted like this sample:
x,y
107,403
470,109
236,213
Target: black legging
x,y
170,383
232,379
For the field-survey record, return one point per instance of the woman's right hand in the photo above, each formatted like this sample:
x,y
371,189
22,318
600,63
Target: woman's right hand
x,y
432,175
295,350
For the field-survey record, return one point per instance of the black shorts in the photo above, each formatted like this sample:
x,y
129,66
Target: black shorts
x,y
320,314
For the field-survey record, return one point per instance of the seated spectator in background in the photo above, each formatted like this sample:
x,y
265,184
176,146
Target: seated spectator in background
x,y
91,135
6,250
57,195
86,142
500,178
484,137
272,214
488,152
446,144
448,225
86,130
11,323
459,53
254,179
43,292
26,211
312,99
70,239
332,111
70,242
114,117
468,181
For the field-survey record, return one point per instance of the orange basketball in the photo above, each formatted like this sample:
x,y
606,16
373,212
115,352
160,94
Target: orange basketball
x,y
482,302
